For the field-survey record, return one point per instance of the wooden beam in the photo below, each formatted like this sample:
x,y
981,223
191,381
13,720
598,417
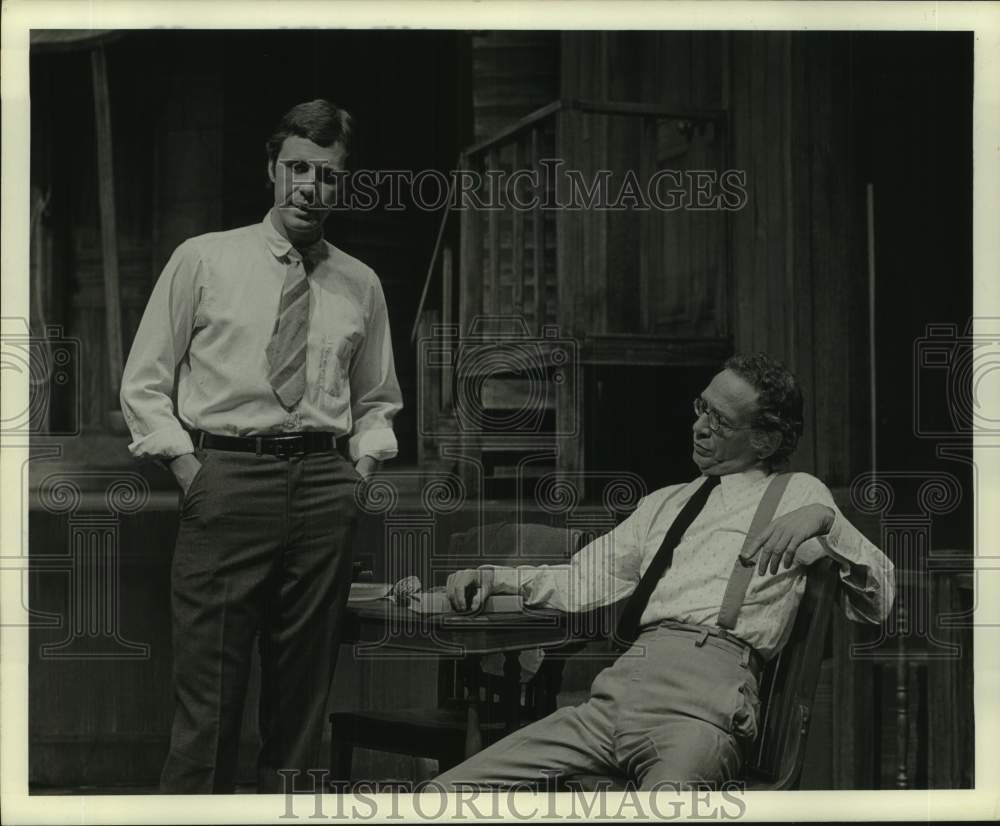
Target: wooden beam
x,y
538,238
517,244
109,229
470,265
430,397
599,107
491,289
447,372
434,255
652,350
656,110
569,269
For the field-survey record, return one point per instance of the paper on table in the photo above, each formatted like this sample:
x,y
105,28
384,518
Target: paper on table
x,y
429,602
367,591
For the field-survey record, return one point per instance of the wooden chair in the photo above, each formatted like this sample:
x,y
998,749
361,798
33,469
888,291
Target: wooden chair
x,y
440,733
774,761
788,688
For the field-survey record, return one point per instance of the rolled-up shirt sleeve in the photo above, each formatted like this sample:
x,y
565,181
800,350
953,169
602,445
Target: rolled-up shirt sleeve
x,y
163,337
599,574
375,394
866,574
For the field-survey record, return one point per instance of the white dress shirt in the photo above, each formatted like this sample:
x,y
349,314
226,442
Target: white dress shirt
x,y
691,591
204,335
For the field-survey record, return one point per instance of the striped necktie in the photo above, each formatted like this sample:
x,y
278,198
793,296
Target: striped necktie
x,y
286,352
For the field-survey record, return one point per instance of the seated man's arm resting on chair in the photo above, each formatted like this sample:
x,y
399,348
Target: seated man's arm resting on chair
x,y
812,527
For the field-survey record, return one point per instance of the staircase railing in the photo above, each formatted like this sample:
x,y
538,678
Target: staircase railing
x,y
528,138
508,257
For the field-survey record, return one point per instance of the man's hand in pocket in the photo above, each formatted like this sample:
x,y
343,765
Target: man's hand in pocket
x,y
366,466
185,467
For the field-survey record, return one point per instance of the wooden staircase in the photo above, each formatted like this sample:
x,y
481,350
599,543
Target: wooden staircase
x,y
502,359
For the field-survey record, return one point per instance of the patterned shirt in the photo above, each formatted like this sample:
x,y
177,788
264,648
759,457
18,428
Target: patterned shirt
x,y
208,322
691,591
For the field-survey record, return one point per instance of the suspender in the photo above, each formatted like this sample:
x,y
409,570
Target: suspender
x,y
739,579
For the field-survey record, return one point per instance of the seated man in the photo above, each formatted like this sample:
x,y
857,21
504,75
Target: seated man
x,y
675,707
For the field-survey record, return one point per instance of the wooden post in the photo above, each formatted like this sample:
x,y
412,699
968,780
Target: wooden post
x,y
569,268
517,243
109,229
512,690
40,279
491,290
470,268
473,734
430,397
538,236
448,371
470,302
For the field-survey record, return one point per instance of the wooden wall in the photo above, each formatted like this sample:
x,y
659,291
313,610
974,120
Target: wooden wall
x,y
513,73
799,278
64,166
785,274
645,271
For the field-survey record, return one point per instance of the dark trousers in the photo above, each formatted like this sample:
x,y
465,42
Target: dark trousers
x,y
263,550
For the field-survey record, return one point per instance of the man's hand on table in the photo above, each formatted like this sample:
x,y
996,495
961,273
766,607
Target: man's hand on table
x,y
185,467
469,589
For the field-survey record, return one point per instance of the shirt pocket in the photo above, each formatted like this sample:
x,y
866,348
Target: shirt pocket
x,y
335,355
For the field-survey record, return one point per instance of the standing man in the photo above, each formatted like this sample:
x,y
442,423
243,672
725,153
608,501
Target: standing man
x,y
678,705
275,345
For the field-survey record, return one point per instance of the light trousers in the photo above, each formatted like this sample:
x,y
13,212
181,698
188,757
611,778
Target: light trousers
x,y
263,552
667,711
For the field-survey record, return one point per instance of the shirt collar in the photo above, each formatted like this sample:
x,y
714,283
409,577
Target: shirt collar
x,y
281,247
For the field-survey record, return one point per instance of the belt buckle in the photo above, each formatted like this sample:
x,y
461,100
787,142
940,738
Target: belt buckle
x,y
285,446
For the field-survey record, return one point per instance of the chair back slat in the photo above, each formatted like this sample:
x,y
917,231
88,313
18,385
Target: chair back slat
x,y
789,683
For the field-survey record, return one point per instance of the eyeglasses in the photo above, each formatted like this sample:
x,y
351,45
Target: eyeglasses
x,y
716,422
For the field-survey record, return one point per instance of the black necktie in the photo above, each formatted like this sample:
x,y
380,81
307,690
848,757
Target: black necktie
x,y
628,625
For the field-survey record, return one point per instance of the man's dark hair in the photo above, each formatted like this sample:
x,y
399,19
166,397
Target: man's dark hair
x,y
779,401
319,121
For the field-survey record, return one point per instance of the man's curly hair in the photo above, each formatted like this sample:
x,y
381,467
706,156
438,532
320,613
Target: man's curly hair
x,y
779,402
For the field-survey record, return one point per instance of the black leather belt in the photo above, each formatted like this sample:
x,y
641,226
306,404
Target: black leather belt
x,y
279,444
